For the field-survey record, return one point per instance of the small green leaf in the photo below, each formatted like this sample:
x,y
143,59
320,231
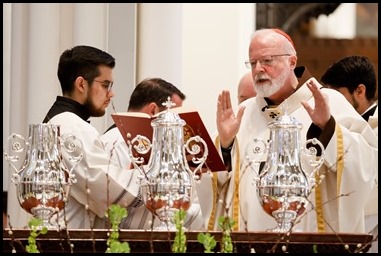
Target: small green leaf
x,y
208,241
226,223
179,243
115,214
33,224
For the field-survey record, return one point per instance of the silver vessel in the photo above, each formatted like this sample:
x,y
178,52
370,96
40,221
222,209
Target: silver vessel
x,y
39,171
167,182
286,178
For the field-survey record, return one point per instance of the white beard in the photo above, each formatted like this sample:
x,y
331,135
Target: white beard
x,y
272,86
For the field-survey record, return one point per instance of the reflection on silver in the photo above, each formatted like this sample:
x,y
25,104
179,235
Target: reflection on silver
x,y
167,181
287,177
41,176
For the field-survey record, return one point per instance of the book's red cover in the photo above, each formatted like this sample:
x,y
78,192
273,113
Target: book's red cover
x,y
134,123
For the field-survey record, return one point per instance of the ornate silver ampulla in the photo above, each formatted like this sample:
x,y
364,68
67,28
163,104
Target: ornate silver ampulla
x,y
39,172
167,181
282,184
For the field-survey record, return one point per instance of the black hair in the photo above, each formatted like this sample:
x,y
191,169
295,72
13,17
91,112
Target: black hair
x,y
82,61
152,90
351,71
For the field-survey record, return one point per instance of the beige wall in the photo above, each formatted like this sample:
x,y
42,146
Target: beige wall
x,y
201,48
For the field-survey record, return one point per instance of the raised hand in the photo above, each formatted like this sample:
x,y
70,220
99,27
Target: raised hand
x,y
321,113
227,123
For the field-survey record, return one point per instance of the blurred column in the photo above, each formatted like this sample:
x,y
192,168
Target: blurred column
x,y
33,83
90,28
340,24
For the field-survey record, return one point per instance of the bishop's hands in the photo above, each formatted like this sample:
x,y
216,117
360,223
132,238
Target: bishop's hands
x,y
321,113
227,122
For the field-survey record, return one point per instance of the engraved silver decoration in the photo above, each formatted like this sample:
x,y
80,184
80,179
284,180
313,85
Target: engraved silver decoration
x,y
39,172
285,180
167,182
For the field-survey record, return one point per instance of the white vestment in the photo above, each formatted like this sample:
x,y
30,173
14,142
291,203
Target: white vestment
x,y
100,181
350,162
371,208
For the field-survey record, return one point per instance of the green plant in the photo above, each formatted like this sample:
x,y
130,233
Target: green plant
x,y
226,224
115,214
180,242
208,241
34,225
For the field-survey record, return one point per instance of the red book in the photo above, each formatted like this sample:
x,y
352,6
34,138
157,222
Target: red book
x,y
131,124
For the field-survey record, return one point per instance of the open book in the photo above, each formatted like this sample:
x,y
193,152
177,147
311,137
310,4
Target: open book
x,y
136,123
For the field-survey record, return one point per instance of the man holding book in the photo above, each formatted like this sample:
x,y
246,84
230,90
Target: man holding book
x,y
86,78
148,98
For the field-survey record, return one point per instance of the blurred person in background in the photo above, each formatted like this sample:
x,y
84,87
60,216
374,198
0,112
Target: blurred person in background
x,y
245,88
355,78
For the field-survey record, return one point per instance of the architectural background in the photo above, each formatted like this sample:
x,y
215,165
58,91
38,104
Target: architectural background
x,y
201,48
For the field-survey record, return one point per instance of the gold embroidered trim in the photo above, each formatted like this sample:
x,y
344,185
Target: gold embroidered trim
x,y
319,206
339,173
236,207
235,210
340,159
212,217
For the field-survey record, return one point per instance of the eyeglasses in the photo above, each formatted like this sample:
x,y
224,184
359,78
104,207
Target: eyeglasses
x,y
264,61
106,84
